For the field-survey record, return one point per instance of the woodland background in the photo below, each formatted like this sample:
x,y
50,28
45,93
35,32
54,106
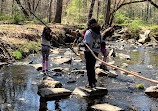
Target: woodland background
x,y
79,11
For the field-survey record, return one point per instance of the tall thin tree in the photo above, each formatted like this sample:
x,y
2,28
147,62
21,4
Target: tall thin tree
x,y
98,10
50,11
91,9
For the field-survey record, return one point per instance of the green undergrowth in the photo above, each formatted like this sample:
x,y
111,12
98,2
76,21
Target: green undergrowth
x,y
134,29
17,54
26,49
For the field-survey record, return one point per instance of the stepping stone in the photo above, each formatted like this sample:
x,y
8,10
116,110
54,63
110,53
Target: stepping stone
x,y
100,72
54,92
63,60
57,74
89,92
112,74
37,66
49,83
124,65
152,91
57,69
78,71
106,107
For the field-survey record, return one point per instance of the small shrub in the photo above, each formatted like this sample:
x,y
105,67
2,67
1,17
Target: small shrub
x,y
17,15
140,86
17,54
134,29
17,19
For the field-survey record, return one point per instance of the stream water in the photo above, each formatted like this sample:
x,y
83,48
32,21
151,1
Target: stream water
x,y
18,91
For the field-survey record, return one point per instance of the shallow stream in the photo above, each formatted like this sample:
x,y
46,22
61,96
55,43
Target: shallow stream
x,y
18,88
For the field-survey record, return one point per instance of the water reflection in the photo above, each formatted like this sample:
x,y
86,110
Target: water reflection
x,y
57,105
43,104
15,84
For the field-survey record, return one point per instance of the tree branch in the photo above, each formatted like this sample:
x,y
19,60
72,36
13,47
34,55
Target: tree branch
x,y
129,3
154,4
37,5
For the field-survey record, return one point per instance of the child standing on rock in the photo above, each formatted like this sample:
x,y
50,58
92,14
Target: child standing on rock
x,y
45,42
93,39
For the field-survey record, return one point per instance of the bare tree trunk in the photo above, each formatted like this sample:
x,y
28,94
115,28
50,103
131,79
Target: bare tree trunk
x,y
2,6
13,6
155,7
107,20
104,9
98,10
147,12
33,5
142,13
91,9
50,11
58,11
22,8
150,11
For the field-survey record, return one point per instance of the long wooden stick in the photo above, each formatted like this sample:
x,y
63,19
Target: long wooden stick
x,y
54,33
136,75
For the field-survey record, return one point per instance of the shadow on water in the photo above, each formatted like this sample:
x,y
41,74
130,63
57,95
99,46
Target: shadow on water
x,y
18,93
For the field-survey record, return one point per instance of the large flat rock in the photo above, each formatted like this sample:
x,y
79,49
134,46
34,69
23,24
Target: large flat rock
x,y
89,92
48,82
54,92
152,91
63,60
106,107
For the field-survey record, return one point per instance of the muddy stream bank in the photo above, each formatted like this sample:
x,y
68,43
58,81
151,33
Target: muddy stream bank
x,y
18,82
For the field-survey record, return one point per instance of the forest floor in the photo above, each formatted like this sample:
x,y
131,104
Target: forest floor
x,y
15,37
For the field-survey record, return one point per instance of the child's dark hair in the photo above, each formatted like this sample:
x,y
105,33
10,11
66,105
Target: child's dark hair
x,y
46,35
94,26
